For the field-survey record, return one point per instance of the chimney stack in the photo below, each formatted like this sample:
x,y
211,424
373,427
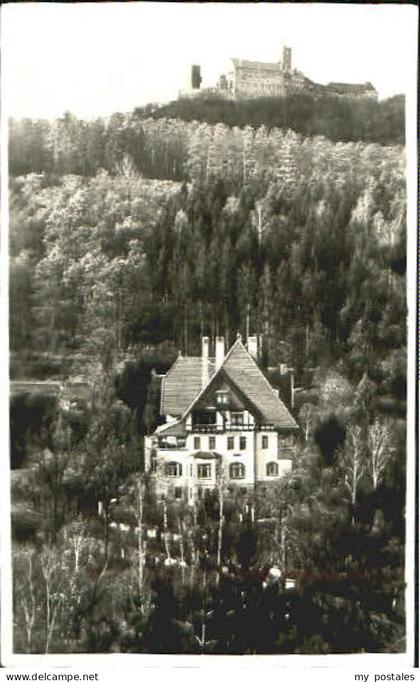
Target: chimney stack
x,y
220,351
205,343
252,346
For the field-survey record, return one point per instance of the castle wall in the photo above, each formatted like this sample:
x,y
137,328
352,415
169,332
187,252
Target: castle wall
x,y
251,79
259,80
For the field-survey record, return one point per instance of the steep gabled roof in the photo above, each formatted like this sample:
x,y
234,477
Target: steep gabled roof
x,y
245,373
182,384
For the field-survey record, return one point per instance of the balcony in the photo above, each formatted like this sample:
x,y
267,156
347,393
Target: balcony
x,y
205,428
227,427
220,428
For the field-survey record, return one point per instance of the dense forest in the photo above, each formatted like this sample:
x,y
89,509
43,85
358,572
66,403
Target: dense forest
x,y
71,145
131,238
348,120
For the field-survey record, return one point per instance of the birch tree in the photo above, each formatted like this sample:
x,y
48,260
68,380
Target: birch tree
x,y
306,420
54,596
25,592
141,549
221,485
353,464
379,451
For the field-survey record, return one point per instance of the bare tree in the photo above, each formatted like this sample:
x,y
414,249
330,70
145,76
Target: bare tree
x,y
306,419
221,490
141,552
379,451
136,493
353,463
166,530
194,550
78,541
54,598
181,530
25,593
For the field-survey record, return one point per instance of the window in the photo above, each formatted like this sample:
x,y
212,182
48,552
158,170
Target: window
x,y
242,442
197,442
237,418
212,442
272,469
264,443
222,397
204,470
230,442
178,493
173,469
287,441
237,470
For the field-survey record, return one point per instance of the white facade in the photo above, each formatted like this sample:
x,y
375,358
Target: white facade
x,y
246,456
223,435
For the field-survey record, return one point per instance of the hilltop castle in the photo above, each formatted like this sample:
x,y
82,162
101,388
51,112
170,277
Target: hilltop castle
x,y
247,79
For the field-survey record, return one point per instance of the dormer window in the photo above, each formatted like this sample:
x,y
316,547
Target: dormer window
x,y
222,397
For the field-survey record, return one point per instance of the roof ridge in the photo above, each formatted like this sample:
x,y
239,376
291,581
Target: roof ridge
x,y
213,376
275,393
269,385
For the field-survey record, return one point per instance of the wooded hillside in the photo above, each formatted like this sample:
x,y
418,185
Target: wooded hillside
x,y
129,240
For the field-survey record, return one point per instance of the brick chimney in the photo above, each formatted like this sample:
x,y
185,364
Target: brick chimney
x,y
287,381
205,344
252,346
220,351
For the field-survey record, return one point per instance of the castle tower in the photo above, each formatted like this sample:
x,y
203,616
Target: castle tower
x,y
287,59
196,77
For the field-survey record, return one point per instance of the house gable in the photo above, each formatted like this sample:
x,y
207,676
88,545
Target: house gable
x,y
241,370
236,399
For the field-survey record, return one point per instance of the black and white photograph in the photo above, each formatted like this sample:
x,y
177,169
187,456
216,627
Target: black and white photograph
x,y
208,245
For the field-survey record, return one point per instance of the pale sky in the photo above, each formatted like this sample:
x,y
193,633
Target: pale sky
x,y
97,58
